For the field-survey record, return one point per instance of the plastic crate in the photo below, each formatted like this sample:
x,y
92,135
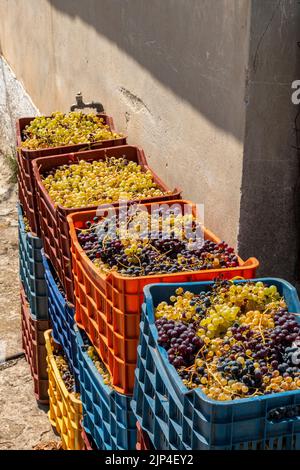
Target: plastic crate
x,y
107,414
176,417
25,173
142,439
155,403
33,343
32,270
27,201
107,307
61,314
53,218
65,412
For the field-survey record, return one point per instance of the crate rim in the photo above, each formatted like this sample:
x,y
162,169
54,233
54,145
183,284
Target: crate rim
x,y
36,171
148,310
67,395
250,262
31,151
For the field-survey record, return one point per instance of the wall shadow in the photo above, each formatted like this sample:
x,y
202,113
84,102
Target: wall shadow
x,y
199,50
192,47
270,199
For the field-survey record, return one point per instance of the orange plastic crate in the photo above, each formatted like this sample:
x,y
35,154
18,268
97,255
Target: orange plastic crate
x,y
108,305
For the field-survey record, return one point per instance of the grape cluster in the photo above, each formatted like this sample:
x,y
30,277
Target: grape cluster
x,y
142,253
284,412
243,340
179,340
65,129
26,225
99,182
92,353
64,370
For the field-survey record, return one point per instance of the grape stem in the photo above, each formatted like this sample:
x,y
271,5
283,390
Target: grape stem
x,y
260,330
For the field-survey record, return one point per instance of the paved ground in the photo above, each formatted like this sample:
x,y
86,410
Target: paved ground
x,y
22,423
9,279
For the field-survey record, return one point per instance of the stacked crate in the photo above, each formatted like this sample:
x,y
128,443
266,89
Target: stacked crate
x,y
108,308
117,428
34,305
45,292
144,405
108,305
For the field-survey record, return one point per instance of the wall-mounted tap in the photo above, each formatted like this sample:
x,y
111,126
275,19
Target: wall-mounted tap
x,y
80,104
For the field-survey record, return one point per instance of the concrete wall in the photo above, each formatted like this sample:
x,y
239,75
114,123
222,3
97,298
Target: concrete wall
x,y
203,85
171,72
14,103
270,208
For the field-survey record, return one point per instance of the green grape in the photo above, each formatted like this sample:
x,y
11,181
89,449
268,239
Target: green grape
x,y
26,225
65,129
100,182
92,353
246,339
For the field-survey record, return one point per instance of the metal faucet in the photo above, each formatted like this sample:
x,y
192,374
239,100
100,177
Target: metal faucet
x,y
80,104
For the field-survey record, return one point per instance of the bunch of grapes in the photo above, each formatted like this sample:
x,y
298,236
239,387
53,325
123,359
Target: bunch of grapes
x,y
65,129
179,340
64,370
133,250
92,353
243,340
99,182
26,225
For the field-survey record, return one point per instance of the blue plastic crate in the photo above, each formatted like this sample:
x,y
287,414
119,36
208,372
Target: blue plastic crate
x,y
155,404
107,415
32,272
203,423
61,314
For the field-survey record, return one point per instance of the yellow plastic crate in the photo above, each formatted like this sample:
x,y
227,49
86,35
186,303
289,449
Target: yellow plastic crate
x,y
65,411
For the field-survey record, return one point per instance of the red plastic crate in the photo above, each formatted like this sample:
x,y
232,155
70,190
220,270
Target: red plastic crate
x,y
26,198
33,343
88,442
142,439
53,218
25,173
108,305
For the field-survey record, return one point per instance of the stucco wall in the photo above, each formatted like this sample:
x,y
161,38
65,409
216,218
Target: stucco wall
x,y
171,72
